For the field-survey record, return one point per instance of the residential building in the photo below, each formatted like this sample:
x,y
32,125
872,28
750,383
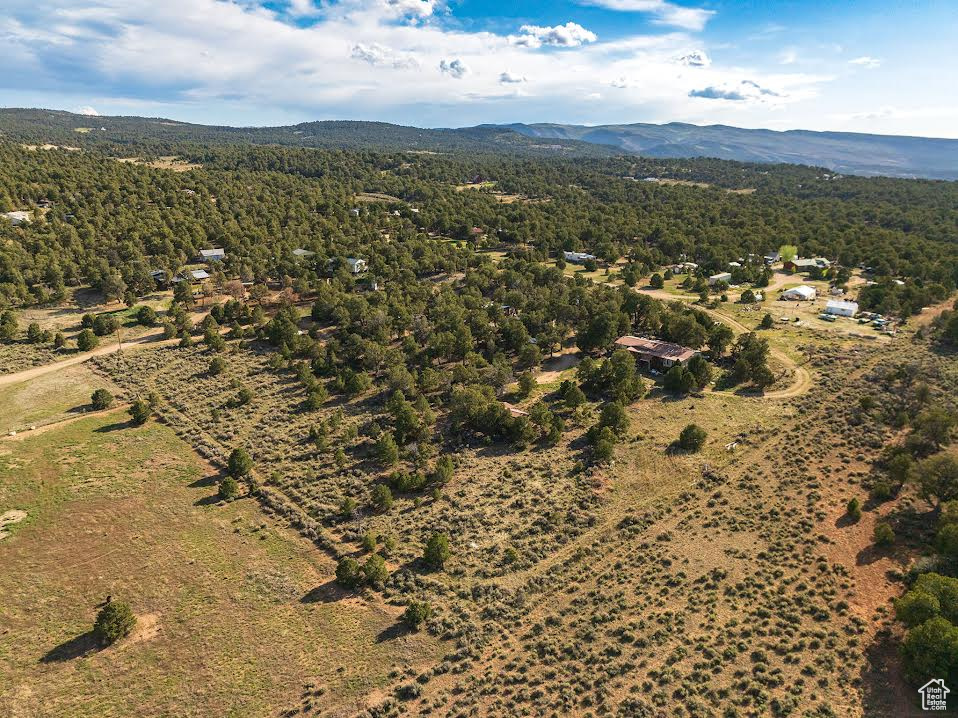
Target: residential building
x,y
578,257
217,254
655,353
806,264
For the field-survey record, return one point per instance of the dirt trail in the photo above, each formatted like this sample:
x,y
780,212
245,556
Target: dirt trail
x,y
147,340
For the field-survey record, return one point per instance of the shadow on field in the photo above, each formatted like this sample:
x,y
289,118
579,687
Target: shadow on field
x,y
115,426
78,647
328,592
392,632
884,690
205,481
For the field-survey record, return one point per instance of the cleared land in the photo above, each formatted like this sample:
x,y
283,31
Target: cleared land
x,y
235,615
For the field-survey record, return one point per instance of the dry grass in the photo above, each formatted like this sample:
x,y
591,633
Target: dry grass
x,y
162,163
230,618
50,398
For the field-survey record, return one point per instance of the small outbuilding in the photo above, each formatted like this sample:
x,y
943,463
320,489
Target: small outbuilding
x,y
802,293
514,411
299,252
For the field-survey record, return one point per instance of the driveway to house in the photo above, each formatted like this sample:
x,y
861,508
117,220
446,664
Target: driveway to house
x,y
802,378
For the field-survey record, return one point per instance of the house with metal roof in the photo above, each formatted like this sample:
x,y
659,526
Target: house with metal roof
x,y
654,352
217,254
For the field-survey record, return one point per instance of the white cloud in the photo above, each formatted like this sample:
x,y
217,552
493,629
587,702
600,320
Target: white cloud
x,y
87,110
228,62
695,58
569,35
744,90
869,63
457,68
376,54
303,8
789,56
510,78
664,13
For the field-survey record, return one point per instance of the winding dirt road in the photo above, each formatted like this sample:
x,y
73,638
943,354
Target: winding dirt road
x,y
802,378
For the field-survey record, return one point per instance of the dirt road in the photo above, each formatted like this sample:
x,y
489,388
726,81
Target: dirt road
x,y
802,378
153,339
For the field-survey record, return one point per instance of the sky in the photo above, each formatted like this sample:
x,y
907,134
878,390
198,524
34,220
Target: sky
x,y
883,66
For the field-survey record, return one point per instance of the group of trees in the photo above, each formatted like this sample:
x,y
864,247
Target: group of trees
x,y
929,608
111,223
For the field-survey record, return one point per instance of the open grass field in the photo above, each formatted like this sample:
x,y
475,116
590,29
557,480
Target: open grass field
x,y
50,398
235,615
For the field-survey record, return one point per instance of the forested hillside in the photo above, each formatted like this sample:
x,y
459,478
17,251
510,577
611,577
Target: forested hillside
x,y
96,220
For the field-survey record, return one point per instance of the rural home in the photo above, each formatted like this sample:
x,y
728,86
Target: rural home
x,y
684,267
802,293
217,254
720,277
655,353
841,308
806,265
578,257
299,252
18,217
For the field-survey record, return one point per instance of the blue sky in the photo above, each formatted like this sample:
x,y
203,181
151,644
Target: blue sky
x,y
876,66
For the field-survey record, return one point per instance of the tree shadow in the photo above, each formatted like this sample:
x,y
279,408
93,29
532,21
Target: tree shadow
x,y
845,520
115,426
205,481
870,554
77,647
208,500
328,592
392,632
884,691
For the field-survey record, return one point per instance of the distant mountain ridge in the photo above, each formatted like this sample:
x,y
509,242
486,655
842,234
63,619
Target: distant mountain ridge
x,y
39,126
845,152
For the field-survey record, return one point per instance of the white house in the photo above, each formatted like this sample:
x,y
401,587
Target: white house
x,y
577,257
841,308
802,293
18,217
721,277
356,265
217,254
198,275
